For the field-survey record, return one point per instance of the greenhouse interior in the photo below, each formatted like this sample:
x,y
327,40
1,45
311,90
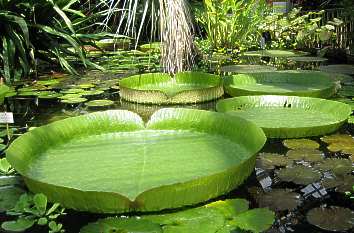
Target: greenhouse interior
x,y
176,116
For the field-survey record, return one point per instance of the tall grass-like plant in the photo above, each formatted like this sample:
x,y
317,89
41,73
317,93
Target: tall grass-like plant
x,y
34,30
231,24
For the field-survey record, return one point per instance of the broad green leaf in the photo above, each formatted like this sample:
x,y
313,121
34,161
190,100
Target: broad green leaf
x,y
40,201
175,158
288,116
255,220
185,87
294,83
19,225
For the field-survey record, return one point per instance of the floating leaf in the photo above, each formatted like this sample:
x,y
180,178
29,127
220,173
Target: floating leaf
x,y
131,225
270,161
337,166
241,69
99,103
342,69
219,217
333,218
119,177
256,220
280,199
340,143
341,183
301,144
288,116
18,225
73,100
310,155
158,88
299,175
310,84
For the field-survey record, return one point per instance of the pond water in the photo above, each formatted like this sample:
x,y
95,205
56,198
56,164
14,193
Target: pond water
x,y
269,185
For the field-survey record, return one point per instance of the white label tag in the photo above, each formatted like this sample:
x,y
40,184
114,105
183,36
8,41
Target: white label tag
x,y
6,118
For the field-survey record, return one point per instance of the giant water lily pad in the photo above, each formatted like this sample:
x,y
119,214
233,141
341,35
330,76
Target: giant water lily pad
x,y
288,116
342,69
221,216
308,59
111,162
158,88
312,84
333,218
275,53
241,69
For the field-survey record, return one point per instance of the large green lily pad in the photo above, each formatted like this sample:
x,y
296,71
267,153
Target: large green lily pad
x,y
288,116
111,162
160,88
341,68
242,69
312,84
222,216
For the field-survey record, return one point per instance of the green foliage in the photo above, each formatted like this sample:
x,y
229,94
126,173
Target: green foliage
x,y
31,210
38,30
298,30
222,216
231,24
5,167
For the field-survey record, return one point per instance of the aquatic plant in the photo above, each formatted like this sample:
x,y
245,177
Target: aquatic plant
x,y
198,160
221,216
31,210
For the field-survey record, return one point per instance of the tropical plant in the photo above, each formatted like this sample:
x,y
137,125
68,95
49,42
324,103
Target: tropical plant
x,y
297,29
230,24
33,209
191,156
220,216
176,28
38,30
288,116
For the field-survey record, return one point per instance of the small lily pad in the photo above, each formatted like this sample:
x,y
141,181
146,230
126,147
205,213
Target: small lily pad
x,y
280,199
70,96
340,143
346,91
19,225
299,175
333,218
49,82
73,100
310,155
337,166
72,91
269,161
92,93
301,144
341,183
100,103
86,85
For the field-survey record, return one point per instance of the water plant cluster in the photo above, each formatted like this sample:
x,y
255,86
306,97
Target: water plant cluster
x,y
250,139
